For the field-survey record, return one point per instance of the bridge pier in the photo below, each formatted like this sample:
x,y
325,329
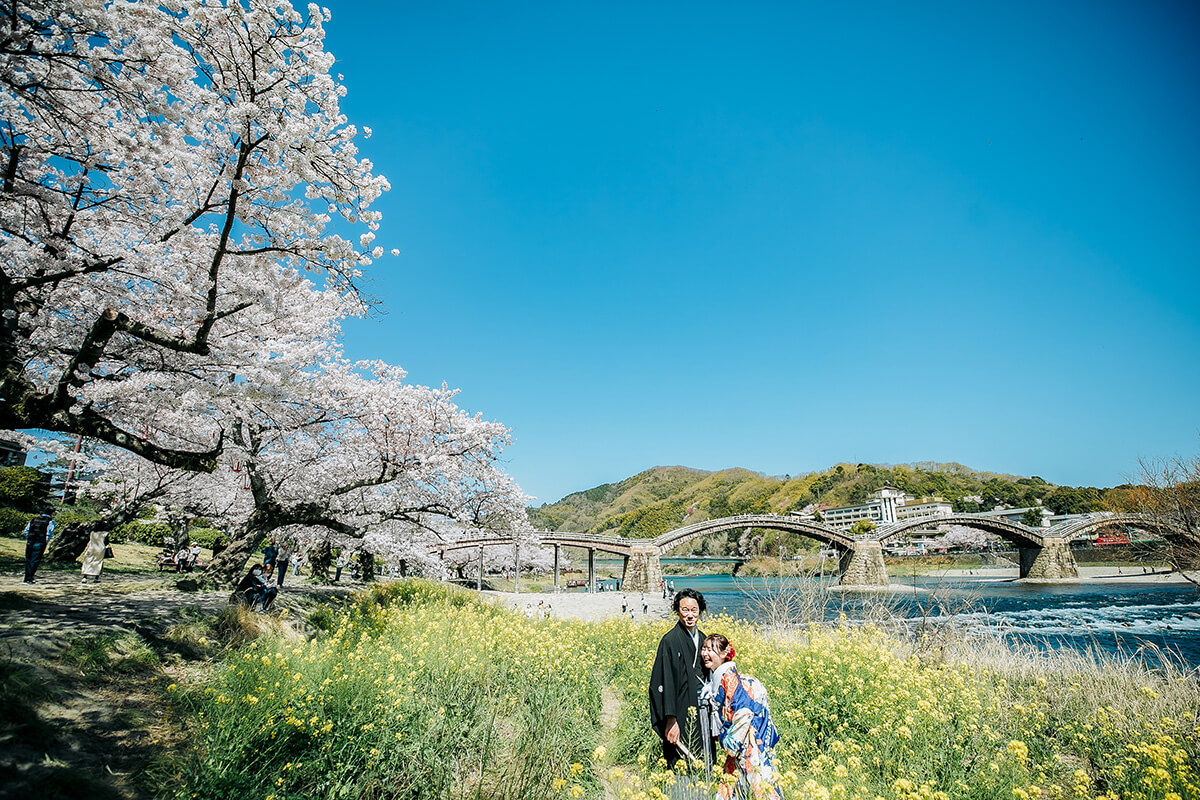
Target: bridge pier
x,y
862,565
591,587
1053,561
643,569
556,568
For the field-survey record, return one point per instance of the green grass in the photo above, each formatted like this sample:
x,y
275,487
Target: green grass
x,y
107,654
128,559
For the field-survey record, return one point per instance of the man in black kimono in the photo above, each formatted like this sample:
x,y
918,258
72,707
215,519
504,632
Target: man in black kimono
x,y
676,679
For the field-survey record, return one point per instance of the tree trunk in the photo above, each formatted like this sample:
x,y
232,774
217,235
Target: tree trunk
x,y
68,544
367,561
319,560
227,568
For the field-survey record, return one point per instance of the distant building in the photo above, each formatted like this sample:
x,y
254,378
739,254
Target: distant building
x,y
12,454
886,506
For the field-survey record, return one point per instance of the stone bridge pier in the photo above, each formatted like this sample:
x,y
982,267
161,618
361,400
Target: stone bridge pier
x,y
1053,561
863,565
643,569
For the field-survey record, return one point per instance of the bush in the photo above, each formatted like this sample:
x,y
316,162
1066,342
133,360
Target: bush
x,y
153,534
12,522
68,515
396,703
207,537
21,487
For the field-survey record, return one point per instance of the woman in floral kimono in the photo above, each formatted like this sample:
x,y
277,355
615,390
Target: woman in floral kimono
x,y
746,731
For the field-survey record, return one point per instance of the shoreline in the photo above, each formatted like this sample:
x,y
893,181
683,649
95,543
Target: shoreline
x,y
586,606
606,605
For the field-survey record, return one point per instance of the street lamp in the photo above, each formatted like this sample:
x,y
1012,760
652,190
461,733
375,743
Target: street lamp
x,y
781,551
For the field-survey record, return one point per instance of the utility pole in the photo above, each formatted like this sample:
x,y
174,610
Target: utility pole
x,y
71,468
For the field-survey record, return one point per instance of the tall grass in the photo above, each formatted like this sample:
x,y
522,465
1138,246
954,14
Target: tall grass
x,y
106,654
422,692
418,692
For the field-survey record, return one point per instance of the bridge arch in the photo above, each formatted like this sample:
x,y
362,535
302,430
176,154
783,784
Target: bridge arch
x,y
1073,529
813,530
607,544
1015,532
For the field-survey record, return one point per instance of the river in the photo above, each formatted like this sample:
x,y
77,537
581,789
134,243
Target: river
x,y
1122,619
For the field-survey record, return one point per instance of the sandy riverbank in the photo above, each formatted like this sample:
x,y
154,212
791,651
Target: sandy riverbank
x,y
581,605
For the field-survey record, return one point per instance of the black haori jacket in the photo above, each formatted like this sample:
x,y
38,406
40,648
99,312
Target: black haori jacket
x,y
676,678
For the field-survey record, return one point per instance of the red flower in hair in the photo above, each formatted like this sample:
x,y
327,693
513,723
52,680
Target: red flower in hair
x,y
731,655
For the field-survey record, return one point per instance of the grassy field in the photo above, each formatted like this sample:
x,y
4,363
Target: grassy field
x,y
420,691
131,558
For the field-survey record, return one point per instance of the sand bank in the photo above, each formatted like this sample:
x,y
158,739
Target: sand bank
x,y
581,605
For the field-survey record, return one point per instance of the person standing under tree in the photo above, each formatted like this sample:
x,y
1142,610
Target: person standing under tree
x,y
281,564
37,534
676,679
94,555
269,554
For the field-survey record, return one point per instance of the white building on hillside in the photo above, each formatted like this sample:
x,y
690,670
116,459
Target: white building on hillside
x,y
886,506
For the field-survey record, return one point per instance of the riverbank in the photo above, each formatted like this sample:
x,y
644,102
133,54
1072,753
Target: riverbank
x,y
584,605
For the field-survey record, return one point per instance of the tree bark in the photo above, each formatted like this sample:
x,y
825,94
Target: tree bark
x,y
226,569
319,560
68,544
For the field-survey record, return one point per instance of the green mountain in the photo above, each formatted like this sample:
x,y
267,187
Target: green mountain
x,y
663,498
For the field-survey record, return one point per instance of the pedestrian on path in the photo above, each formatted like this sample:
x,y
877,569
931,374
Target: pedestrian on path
x,y
37,534
281,565
93,556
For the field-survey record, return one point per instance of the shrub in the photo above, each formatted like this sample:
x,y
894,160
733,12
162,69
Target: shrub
x,y
207,537
21,487
12,521
438,695
67,515
153,533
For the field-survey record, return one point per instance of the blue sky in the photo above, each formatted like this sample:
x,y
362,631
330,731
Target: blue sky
x,y
781,236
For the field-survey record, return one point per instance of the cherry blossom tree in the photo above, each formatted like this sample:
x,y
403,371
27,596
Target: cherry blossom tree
x,y
963,537
353,456
176,180
183,220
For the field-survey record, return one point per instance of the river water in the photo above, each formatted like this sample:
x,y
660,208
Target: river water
x,y
1154,621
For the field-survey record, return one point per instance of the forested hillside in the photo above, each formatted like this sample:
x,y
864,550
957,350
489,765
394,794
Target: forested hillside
x,y
663,498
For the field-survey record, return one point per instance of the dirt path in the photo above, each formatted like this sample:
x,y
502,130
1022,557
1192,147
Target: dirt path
x,y
97,734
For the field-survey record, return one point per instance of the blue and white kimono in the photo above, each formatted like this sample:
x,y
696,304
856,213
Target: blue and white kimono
x,y
747,732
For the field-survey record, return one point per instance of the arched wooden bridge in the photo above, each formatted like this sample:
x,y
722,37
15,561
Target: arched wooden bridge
x,y
1045,554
